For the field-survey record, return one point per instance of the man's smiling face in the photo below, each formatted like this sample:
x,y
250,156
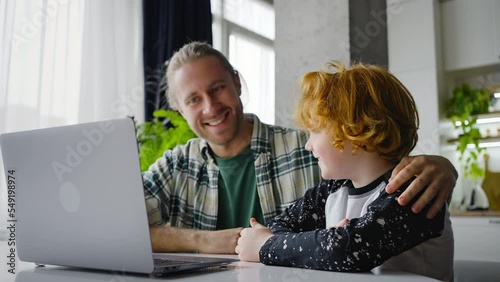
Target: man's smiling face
x,y
208,97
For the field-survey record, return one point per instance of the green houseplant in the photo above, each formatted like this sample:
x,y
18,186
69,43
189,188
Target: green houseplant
x,y
463,107
167,130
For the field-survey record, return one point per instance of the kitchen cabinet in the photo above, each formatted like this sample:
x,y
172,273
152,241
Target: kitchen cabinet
x,y
471,33
477,238
477,246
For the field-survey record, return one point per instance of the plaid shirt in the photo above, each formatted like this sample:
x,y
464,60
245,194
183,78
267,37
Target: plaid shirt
x,y
181,188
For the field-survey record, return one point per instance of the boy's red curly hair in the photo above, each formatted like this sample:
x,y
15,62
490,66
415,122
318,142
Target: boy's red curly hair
x,y
364,104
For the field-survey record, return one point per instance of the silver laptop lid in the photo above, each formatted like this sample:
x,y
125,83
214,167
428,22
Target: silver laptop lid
x,y
79,196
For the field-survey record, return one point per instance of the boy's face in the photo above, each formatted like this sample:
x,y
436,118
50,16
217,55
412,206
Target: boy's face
x,y
334,163
208,98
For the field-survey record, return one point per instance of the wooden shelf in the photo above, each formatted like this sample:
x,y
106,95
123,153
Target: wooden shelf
x,y
481,140
489,139
489,115
475,213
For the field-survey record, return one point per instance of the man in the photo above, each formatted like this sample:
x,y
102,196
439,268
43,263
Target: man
x,y
200,195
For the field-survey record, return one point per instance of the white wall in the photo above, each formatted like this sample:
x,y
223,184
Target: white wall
x,y
308,34
413,44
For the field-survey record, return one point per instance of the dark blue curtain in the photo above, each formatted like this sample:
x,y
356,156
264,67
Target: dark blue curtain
x,y
168,25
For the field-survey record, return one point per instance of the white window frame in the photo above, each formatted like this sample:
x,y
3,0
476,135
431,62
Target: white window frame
x,y
226,28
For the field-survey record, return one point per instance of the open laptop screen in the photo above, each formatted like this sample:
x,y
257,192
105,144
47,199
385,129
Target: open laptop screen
x,y
79,196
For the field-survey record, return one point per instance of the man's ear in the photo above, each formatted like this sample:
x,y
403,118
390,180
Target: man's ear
x,y
237,84
177,108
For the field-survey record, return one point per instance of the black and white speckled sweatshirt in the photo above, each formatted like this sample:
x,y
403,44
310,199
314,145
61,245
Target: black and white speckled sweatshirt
x,y
380,231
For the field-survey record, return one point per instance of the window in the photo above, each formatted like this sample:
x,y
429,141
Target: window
x,y
244,31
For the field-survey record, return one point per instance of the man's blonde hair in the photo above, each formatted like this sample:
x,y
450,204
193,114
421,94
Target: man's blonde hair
x,y
188,53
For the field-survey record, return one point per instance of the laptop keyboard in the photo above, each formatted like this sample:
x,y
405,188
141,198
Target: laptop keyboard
x,y
163,262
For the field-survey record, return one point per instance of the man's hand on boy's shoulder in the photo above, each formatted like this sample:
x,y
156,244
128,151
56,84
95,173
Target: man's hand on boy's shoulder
x,y
435,174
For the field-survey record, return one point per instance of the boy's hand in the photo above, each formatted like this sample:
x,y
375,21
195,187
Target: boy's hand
x,y
342,223
251,240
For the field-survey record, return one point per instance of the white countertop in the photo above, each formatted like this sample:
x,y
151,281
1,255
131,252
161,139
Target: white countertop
x,y
237,271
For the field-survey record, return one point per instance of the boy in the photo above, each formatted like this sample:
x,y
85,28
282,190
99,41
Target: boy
x,y
362,122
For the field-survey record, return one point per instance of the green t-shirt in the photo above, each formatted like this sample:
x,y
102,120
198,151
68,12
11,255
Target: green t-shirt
x,y
238,197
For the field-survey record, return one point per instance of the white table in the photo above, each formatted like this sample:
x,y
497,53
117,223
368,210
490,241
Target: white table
x,y
237,271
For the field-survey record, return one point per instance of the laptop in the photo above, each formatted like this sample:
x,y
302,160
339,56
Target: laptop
x,y
79,200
